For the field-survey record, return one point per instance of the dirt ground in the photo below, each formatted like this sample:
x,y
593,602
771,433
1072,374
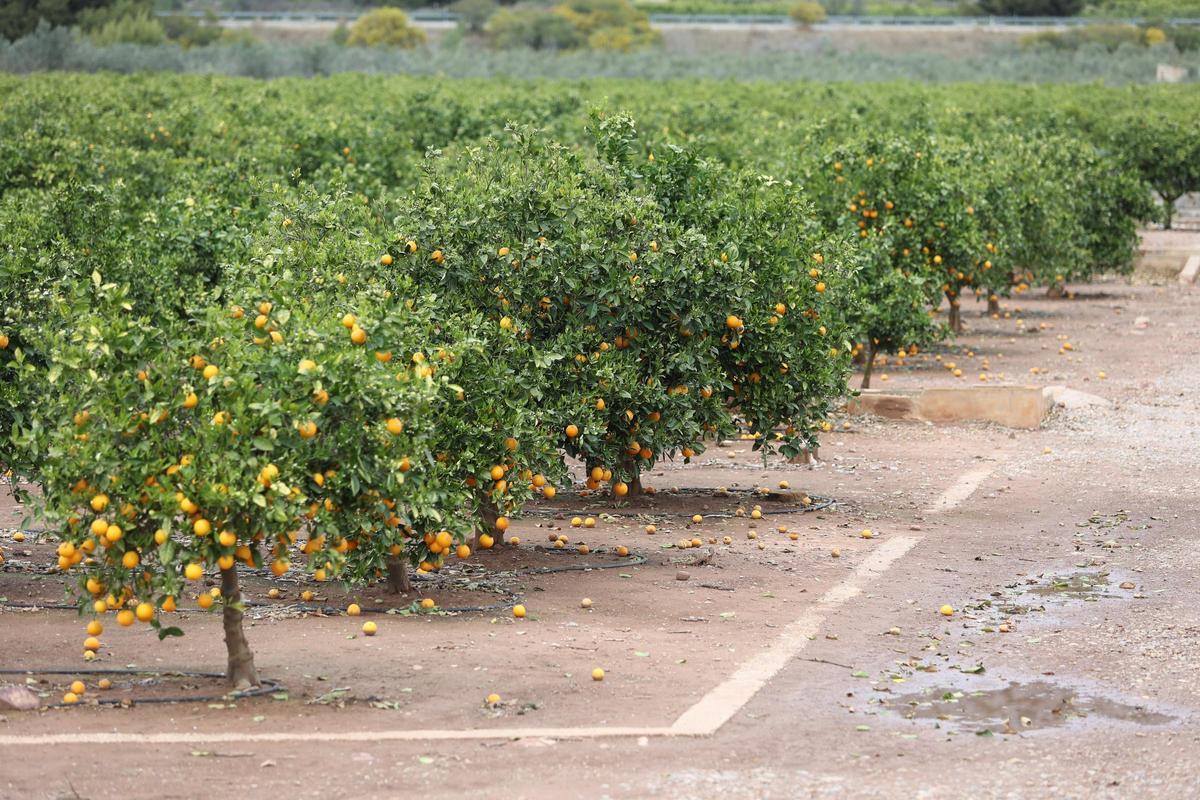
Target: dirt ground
x,y
1069,555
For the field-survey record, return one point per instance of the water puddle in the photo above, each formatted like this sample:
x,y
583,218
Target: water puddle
x,y
1016,708
1077,586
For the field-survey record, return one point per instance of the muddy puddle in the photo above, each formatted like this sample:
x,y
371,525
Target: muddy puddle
x,y
1076,586
1016,708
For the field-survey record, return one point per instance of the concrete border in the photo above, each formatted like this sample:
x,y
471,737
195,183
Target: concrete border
x,y
1187,276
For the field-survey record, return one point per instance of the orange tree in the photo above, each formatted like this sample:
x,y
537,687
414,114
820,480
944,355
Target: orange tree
x,y
637,306
1161,145
916,229
489,452
168,452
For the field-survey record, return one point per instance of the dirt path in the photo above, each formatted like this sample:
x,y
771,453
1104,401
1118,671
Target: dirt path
x,y
1069,554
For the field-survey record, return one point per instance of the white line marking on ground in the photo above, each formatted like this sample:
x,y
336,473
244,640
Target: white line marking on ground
x,y
703,719
719,705
956,494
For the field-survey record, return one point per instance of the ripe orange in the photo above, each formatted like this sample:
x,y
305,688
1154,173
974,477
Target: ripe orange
x,y
493,698
95,628
353,610
125,618
91,643
386,259
572,431
427,603
620,488
519,611
144,612
501,523
369,628
597,674
358,335
70,698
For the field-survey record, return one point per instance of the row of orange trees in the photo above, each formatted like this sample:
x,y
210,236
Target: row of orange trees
x,y
364,389
309,344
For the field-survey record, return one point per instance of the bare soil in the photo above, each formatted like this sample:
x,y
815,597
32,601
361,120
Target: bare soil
x,y
1073,570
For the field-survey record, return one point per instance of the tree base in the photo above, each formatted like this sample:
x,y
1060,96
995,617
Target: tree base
x,y
486,511
240,671
398,581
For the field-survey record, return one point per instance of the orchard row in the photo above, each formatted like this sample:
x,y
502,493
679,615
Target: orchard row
x,y
260,324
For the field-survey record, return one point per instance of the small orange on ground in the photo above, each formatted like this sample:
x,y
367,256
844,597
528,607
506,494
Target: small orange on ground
x,y
493,699
353,610
946,611
427,603
519,611
78,688
369,628
104,683
597,674
70,698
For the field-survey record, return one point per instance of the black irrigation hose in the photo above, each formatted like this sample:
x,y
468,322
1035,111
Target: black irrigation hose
x,y
267,686
817,504
511,597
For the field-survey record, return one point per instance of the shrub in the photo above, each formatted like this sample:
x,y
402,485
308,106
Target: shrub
x,y
807,13
384,27
473,15
191,32
140,28
533,28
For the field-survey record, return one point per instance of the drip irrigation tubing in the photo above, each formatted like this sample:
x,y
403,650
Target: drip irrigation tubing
x,y
817,504
266,687
511,598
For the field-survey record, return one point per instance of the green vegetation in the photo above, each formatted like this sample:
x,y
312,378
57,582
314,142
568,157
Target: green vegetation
x,y
384,27
350,326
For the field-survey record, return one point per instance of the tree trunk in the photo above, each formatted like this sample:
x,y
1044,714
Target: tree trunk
x,y
869,365
1168,211
993,305
240,672
397,576
955,320
488,512
629,465
1054,291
